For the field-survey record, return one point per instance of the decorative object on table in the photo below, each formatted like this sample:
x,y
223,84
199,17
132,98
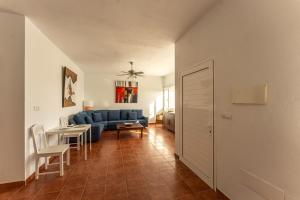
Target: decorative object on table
x,y
88,105
131,74
69,87
128,123
126,92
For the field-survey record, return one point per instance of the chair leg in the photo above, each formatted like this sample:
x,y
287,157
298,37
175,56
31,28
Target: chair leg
x,y
37,168
78,143
68,157
61,164
46,163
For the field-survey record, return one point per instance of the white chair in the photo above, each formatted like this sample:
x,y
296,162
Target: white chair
x,y
42,150
63,121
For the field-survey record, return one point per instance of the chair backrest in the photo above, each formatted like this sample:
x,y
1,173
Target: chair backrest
x,y
39,138
63,122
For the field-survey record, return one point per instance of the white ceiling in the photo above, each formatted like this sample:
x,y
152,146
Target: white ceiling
x,y
103,35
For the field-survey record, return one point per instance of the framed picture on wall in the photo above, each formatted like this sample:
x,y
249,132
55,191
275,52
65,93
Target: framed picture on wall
x,y
126,92
69,87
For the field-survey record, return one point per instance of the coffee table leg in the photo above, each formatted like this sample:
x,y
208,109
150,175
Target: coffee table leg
x,y
90,139
85,145
142,133
118,134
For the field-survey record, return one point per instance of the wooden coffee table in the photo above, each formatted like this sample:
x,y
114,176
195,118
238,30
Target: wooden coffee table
x,y
134,126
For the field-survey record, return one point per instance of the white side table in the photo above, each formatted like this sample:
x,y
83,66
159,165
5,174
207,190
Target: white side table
x,y
85,128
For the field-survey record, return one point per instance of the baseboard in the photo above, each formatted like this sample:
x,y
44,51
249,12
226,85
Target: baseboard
x,y
176,156
32,176
261,187
221,195
6,186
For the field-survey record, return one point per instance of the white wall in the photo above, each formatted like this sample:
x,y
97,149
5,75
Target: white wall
x,y
252,42
100,88
169,80
12,97
44,62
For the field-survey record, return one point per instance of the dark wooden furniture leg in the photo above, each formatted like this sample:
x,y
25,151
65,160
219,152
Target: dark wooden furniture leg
x,y
118,134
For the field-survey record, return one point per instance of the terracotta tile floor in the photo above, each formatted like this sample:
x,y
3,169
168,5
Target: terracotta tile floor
x,y
131,168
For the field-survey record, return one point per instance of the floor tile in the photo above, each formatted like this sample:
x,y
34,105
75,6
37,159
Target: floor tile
x,y
129,168
71,194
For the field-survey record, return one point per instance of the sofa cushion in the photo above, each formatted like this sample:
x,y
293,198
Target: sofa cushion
x,y
101,126
132,116
115,122
79,119
104,114
104,123
112,125
97,117
124,114
89,120
89,113
113,115
139,113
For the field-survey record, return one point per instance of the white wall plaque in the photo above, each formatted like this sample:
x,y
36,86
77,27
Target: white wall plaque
x,y
250,95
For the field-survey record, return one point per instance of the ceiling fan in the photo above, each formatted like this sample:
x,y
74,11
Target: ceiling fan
x,y
131,73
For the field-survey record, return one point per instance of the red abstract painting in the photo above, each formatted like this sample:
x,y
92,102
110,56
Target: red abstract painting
x,y
126,92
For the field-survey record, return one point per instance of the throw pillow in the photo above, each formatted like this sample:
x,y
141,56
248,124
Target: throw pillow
x,y
139,113
89,120
79,119
97,117
132,116
114,115
124,114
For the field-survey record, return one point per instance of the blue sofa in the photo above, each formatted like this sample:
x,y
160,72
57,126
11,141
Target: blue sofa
x,y
107,119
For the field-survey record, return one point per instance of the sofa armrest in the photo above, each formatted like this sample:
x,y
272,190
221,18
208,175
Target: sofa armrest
x,y
145,121
72,121
96,133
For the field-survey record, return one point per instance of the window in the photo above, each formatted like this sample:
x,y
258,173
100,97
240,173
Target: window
x,y
169,99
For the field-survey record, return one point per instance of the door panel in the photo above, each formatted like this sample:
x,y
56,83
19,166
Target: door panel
x,y
197,122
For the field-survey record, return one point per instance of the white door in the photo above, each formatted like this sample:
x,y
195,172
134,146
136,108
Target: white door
x,y
197,121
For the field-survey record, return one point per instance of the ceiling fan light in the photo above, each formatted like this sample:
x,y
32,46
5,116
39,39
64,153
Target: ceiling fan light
x,y
131,73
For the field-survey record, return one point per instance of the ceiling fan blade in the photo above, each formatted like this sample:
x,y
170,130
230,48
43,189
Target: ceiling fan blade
x,y
131,74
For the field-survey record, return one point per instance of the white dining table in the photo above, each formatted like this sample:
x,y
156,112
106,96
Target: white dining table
x,y
83,128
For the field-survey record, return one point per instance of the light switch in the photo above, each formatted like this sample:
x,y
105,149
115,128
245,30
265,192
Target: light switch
x,y
36,108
